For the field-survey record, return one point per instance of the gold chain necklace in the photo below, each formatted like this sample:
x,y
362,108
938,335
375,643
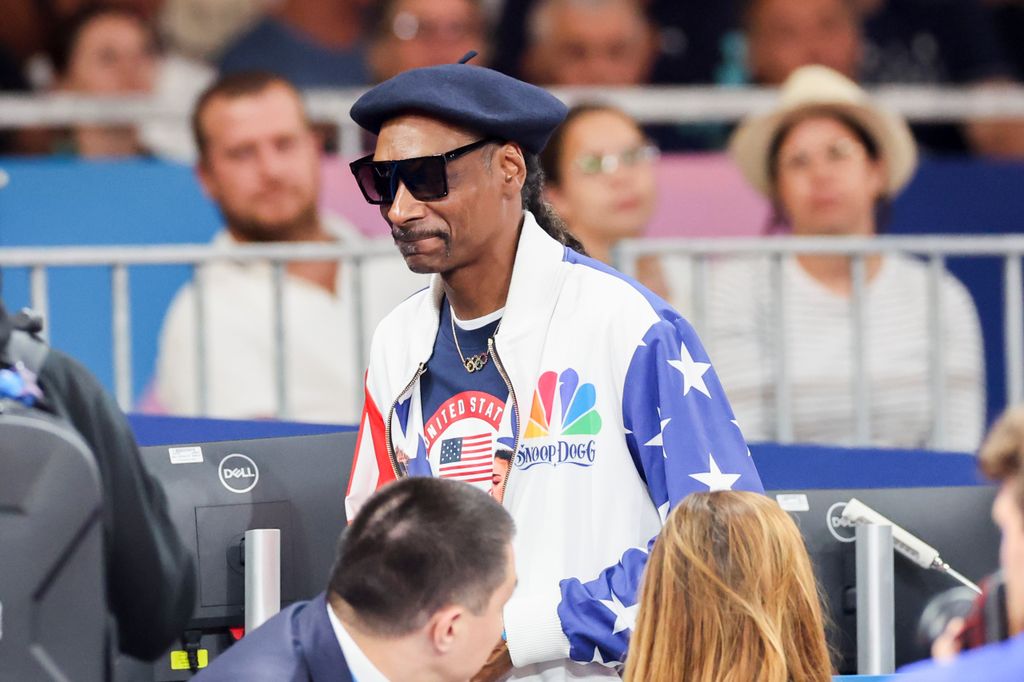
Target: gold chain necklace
x,y
474,363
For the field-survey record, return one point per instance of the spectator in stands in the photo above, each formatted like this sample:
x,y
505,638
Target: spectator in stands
x,y
12,81
151,583
783,35
588,42
729,594
312,43
416,593
105,50
412,33
260,163
888,42
941,42
830,160
1002,459
599,177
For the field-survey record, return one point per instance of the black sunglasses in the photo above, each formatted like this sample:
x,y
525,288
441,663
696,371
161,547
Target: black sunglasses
x,y
426,177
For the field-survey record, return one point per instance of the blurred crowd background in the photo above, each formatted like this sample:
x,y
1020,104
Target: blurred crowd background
x,y
172,48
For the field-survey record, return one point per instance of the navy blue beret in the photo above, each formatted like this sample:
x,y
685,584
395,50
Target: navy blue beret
x,y
473,97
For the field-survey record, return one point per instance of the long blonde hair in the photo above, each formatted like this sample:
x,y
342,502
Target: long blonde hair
x,y
729,596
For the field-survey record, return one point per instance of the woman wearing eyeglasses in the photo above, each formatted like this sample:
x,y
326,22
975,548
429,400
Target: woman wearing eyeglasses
x,y
599,177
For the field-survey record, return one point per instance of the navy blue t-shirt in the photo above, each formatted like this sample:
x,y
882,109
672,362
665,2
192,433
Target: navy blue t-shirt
x,y
462,411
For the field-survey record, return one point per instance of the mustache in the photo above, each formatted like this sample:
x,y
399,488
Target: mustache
x,y
414,235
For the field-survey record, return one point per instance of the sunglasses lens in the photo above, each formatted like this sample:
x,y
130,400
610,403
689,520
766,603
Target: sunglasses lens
x,y
374,180
425,178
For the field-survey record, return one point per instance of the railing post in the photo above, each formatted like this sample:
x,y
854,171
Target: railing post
x,y
859,373
1013,293
122,336
280,340
936,351
783,392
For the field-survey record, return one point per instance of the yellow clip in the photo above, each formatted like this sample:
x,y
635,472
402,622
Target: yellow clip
x,y
179,659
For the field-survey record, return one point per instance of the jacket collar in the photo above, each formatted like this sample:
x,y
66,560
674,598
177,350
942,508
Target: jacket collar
x,y
320,648
537,277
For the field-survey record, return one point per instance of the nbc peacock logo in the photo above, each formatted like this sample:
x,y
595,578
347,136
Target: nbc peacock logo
x,y
563,413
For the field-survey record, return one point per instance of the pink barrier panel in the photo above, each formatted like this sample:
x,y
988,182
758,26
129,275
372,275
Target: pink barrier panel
x,y
700,195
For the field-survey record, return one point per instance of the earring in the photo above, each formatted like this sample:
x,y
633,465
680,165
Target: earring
x,y
508,178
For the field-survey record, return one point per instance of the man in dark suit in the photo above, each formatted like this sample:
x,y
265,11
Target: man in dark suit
x,y
417,593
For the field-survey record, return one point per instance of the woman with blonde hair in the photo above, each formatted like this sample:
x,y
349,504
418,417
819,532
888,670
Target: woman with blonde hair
x,y
729,596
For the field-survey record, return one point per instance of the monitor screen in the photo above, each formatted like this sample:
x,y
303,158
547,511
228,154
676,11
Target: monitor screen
x,y
954,520
217,491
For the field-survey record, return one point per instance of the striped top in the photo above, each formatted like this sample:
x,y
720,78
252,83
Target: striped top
x,y
741,335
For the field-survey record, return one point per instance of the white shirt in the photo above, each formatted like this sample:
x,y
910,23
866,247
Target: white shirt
x,y
323,370
740,337
361,667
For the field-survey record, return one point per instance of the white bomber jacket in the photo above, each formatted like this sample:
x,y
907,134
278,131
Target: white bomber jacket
x,y
616,415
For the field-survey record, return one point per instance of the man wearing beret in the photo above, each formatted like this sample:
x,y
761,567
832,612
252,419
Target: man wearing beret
x,y
584,403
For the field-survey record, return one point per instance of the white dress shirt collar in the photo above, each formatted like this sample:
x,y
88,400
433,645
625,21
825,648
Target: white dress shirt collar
x,y
362,669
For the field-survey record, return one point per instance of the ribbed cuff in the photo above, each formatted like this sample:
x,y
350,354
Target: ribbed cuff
x,y
533,629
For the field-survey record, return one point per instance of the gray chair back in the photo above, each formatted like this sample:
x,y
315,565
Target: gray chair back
x,y
53,604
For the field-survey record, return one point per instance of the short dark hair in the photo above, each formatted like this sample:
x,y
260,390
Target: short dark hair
x,y
232,86
418,545
860,132
68,30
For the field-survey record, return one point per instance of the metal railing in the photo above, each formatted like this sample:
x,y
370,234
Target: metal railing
x,y
39,261
649,104
935,251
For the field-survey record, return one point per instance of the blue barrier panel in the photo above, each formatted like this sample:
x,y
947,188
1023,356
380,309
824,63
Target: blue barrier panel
x,y
782,467
153,430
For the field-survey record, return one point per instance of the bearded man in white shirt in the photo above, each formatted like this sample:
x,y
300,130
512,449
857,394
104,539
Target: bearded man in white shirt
x,y
259,160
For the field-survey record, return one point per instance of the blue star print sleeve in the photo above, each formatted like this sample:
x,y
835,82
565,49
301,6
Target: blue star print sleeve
x,y
683,438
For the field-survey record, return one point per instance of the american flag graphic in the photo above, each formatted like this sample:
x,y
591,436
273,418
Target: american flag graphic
x,y
468,458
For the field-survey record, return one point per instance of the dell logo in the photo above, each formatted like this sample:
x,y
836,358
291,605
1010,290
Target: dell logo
x,y
842,529
238,473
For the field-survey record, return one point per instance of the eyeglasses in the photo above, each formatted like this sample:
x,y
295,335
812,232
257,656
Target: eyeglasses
x,y
596,164
426,177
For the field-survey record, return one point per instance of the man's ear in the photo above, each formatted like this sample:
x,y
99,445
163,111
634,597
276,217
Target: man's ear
x,y
443,628
512,167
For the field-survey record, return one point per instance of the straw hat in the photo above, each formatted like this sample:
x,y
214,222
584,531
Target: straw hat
x,y
820,88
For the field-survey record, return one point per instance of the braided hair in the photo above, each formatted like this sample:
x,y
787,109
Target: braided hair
x,y
533,201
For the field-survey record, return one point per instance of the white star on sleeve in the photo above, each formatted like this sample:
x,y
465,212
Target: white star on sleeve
x,y
663,512
598,658
625,616
714,479
659,440
693,372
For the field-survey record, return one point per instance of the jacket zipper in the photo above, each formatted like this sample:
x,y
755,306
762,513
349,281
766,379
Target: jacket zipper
x,y
515,410
391,413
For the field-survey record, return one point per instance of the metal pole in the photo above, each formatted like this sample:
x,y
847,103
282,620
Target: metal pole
x,y
122,337
41,297
1014,329
861,395
202,377
876,650
360,352
280,340
783,394
936,351
699,265
262,576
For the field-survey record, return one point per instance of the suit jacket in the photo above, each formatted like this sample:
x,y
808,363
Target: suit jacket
x,y
296,645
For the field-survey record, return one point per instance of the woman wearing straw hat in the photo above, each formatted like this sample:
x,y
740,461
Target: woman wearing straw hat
x,y
830,161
